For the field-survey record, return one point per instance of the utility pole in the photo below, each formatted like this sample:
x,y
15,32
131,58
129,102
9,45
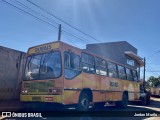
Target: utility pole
x,y
144,72
59,32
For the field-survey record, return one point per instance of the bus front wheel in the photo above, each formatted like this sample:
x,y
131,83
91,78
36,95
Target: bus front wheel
x,y
83,103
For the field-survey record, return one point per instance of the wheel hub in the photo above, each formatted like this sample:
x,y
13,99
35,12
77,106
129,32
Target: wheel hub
x,y
84,103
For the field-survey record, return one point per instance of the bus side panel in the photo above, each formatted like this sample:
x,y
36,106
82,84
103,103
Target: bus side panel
x,y
117,95
91,81
103,86
115,87
104,83
72,90
71,97
132,88
114,91
136,90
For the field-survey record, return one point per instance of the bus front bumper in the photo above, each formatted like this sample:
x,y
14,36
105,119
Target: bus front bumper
x,y
41,98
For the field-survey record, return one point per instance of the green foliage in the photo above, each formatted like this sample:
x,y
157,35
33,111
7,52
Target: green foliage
x,y
153,82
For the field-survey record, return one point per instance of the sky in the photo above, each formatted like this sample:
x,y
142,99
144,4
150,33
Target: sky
x,y
134,21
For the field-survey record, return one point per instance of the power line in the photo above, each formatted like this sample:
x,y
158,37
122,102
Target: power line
x,y
152,55
64,29
14,6
61,20
70,39
153,63
33,11
23,11
47,18
153,71
74,36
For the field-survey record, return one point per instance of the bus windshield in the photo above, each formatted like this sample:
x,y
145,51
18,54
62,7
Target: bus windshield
x,y
43,66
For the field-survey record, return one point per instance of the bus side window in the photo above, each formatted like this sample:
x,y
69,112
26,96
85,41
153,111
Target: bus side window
x,y
121,72
67,60
71,65
88,63
135,76
75,61
101,66
129,74
97,65
112,70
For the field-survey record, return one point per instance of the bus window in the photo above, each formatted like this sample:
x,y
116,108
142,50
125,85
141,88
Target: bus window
x,y
71,65
129,74
50,65
112,70
67,60
101,67
97,65
135,75
43,66
121,72
75,61
32,67
88,64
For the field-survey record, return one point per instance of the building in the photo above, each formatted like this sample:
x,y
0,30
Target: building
x,y
121,52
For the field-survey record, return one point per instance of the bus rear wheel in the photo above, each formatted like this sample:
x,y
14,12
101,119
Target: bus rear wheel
x,y
148,100
123,103
145,101
83,103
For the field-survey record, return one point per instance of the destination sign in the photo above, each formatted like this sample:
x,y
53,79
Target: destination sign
x,y
44,48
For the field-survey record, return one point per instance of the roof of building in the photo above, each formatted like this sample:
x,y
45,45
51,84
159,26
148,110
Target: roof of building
x,y
115,43
116,50
135,57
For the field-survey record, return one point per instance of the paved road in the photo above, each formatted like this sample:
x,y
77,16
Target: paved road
x,y
117,113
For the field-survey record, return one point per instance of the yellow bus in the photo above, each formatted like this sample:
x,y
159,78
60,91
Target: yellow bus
x,y
60,73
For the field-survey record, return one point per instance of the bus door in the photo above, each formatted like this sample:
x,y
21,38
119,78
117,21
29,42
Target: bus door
x,y
72,77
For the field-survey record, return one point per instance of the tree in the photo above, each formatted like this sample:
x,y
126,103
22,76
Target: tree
x,y
153,81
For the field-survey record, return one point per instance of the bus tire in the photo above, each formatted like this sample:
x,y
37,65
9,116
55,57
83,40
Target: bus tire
x,y
83,102
143,101
148,100
124,102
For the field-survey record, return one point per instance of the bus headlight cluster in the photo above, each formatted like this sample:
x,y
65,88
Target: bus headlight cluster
x,y
24,91
53,91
